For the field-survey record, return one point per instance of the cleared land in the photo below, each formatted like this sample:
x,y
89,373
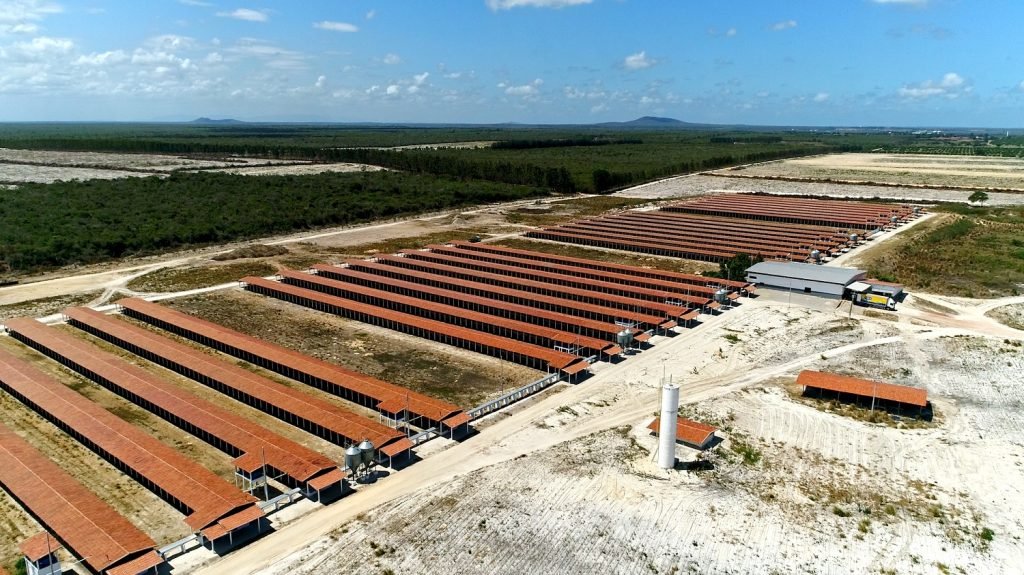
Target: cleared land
x,y
297,169
1011,315
699,184
111,161
898,169
794,488
458,376
182,279
47,306
28,173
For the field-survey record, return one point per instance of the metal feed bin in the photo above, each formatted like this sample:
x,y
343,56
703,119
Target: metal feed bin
x,y
353,458
368,452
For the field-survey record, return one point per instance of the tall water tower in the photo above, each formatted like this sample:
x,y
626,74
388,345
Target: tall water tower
x,y
669,419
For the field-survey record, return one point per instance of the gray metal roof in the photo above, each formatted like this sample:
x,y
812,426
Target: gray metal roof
x,y
813,272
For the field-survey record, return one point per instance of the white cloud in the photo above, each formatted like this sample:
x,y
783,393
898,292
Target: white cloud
x,y
371,14
392,59
22,28
1021,86
730,32
510,4
598,108
336,26
273,56
246,14
171,42
419,79
392,90
784,25
22,10
102,58
525,90
638,61
952,85
214,58
320,81
453,75
45,44
198,3
821,97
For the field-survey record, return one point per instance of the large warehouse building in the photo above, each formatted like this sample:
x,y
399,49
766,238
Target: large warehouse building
x,y
809,278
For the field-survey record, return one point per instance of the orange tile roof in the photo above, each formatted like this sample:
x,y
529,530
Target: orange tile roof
x,y
88,526
240,383
207,496
38,546
174,403
692,432
863,387
363,384
141,564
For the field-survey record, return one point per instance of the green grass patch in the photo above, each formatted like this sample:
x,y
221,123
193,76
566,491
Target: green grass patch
x,y
969,252
750,454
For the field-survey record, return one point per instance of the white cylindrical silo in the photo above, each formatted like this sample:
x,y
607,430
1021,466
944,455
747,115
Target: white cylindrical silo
x,y
667,433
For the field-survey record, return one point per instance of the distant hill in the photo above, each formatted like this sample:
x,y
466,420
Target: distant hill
x,y
205,120
653,122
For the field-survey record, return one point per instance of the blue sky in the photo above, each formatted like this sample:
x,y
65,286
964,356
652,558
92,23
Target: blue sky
x,y
774,62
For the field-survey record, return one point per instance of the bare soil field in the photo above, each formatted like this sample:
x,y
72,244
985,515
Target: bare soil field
x,y
446,145
1011,315
47,306
33,174
296,169
700,184
111,161
446,372
899,169
194,277
138,504
793,489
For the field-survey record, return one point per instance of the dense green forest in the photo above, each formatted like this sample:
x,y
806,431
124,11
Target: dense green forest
x,y
564,159
44,226
47,225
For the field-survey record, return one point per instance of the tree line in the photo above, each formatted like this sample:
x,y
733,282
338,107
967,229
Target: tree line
x,y
51,225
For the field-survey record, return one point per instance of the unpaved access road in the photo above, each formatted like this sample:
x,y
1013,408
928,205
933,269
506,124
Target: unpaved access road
x,y
624,394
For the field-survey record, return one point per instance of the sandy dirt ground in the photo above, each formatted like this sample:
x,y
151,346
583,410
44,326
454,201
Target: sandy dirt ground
x,y
700,184
446,145
1011,315
297,170
569,484
900,169
111,161
30,174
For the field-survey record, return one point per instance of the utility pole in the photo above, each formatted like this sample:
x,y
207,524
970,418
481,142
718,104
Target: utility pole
x,y
263,457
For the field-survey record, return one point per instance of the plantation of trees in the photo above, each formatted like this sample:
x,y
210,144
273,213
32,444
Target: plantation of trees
x,y
49,225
